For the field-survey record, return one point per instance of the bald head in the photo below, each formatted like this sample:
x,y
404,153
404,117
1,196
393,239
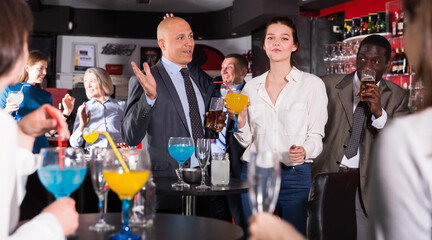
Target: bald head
x,y
175,39
165,24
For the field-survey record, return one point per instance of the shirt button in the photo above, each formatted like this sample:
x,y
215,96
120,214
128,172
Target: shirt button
x,y
275,149
274,130
345,146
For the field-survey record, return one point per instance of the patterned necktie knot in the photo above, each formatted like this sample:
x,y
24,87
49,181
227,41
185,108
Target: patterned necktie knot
x,y
184,72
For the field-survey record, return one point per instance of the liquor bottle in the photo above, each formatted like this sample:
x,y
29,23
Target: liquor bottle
x,y
382,21
400,25
404,67
395,62
370,25
365,23
394,23
347,28
355,27
361,27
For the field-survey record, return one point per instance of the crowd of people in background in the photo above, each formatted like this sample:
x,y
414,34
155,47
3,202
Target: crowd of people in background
x,y
314,125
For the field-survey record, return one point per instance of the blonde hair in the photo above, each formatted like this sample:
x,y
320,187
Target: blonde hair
x,y
35,56
103,78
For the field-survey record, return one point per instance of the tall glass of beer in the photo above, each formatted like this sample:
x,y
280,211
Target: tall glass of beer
x,y
215,110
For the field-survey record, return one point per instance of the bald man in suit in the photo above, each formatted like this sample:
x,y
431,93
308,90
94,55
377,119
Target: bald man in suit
x,y
158,106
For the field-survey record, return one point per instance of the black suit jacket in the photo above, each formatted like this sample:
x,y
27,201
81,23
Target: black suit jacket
x,y
233,147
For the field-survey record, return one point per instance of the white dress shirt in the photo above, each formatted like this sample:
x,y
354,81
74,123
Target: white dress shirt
x,y
17,163
298,117
377,123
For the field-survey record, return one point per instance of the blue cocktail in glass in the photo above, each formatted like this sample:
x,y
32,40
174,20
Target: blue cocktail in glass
x,y
181,149
62,179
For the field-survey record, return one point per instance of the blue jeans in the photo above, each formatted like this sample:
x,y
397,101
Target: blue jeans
x,y
293,195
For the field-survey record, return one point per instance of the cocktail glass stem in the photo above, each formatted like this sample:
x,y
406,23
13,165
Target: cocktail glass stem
x,y
125,232
181,174
235,129
202,176
125,209
203,185
102,209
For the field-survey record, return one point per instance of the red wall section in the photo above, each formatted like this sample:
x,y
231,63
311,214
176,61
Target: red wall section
x,y
356,8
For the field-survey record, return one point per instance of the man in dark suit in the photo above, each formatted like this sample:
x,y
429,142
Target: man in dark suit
x,y
167,101
381,101
233,71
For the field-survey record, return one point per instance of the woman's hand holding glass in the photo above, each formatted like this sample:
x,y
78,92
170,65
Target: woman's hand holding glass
x,y
241,117
14,99
237,102
10,105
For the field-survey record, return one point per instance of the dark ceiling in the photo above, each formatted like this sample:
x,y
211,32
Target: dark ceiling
x,y
240,19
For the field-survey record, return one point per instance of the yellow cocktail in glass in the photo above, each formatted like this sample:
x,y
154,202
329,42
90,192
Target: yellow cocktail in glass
x,y
90,137
126,171
126,184
236,102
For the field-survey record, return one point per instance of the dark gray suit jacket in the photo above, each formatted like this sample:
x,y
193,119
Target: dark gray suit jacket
x,y
394,100
164,120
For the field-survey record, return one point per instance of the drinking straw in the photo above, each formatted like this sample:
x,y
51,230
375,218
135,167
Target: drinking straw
x,y
23,87
59,142
117,153
98,127
226,84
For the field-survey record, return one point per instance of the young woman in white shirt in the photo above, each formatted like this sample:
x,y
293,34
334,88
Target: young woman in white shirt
x,y
286,115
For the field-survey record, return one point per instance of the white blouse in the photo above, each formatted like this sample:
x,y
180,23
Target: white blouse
x,y
298,117
401,180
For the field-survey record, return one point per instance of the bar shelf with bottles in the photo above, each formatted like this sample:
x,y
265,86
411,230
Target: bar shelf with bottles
x,y
401,71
